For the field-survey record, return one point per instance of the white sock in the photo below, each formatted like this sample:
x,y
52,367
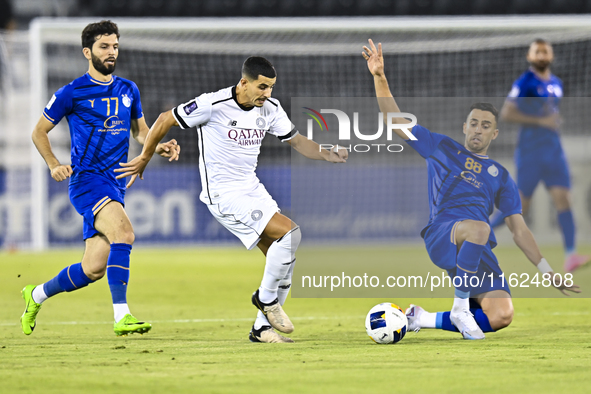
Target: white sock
x,y
285,285
39,294
460,304
261,321
266,296
428,319
280,258
281,293
120,311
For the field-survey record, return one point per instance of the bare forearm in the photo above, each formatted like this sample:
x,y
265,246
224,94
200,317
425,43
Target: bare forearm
x,y
510,114
524,239
139,130
159,129
388,104
385,99
141,137
311,149
41,141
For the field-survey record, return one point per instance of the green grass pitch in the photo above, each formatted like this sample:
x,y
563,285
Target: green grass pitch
x,y
199,303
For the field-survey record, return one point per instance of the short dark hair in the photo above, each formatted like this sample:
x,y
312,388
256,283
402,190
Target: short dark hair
x,y
540,41
486,107
255,66
94,30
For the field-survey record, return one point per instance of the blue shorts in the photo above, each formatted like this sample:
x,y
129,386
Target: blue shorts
x,y
89,194
550,167
442,249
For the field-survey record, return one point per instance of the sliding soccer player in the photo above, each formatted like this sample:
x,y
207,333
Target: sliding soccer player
x,y
231,124
102,111
464,187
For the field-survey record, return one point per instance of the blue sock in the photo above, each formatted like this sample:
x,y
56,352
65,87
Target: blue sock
x,y
466,267
69,279
567,225
444,323
497,220
118,272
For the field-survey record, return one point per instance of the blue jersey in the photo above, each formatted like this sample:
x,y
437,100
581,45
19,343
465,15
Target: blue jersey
x,y
462,184
99,115
536,97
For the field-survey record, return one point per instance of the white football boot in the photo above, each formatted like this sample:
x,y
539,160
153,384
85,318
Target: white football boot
x,y
466,325
413,313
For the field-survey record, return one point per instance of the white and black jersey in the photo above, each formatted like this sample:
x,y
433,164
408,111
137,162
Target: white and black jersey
x,y
230,137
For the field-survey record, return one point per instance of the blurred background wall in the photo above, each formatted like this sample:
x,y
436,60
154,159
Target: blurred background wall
x,y
466,50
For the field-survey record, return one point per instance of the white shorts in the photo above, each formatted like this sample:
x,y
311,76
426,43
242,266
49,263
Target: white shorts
x,y
245,214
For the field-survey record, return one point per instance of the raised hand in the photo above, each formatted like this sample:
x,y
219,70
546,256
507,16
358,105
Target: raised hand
x,y
375,60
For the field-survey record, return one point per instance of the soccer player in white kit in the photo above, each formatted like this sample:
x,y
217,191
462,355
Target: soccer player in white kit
x,y
231,124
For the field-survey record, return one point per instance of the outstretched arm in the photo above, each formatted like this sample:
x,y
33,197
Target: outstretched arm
x,y
136,167
59,172
312,150
375,64
524,238
139,131
510,113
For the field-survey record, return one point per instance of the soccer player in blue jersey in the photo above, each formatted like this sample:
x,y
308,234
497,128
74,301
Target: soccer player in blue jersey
x,y
464,187
102,111
534,103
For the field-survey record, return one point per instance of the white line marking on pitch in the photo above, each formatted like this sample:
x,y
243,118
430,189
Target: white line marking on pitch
x,y
72,323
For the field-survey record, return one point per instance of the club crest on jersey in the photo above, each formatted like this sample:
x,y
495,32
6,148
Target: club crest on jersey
x,y
493,170
256,215
126,100
261,123
192,106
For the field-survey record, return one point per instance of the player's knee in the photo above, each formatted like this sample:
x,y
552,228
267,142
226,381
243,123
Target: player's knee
x,y
95,273
129,238
501,318
126,236
296,237
291,239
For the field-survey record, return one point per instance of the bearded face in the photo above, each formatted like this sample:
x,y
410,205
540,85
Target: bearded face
x,y
106,66
540,56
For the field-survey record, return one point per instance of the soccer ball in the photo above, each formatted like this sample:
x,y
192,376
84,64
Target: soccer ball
x,y
386,323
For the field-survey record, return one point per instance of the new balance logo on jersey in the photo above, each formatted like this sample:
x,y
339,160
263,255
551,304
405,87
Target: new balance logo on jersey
x,y
233,123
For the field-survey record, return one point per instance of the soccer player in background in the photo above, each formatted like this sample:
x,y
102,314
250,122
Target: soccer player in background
x,y
231,125
464,184
102,111
534,103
